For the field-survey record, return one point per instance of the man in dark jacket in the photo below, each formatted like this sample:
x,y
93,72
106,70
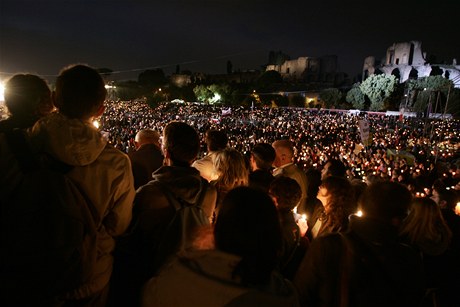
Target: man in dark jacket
x,y
367,266
176,181
147,158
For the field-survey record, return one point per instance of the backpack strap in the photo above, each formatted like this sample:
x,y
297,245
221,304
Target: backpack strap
x,y
171,196
30,160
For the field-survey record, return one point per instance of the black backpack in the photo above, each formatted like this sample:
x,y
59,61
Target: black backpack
x,y
138,259
48,233
181,230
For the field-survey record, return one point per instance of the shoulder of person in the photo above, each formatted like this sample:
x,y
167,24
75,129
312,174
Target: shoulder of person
x,y
151,196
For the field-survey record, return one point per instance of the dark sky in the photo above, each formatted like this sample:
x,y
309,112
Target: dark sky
x,y
129,36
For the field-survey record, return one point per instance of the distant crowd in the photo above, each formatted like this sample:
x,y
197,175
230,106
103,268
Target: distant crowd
x,y
408,150
115,203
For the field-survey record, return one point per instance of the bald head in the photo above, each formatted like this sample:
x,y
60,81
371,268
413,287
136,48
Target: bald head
x,y
147,136
284,152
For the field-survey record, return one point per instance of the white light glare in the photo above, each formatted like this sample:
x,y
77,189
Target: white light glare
x,y
2,91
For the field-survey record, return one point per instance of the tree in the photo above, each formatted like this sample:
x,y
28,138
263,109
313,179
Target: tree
x,y
297,101
356,97
152,78
202,93
426,90
378,88
268,79
330,96
453,105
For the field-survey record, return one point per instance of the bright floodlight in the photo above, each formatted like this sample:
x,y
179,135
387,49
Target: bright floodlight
x,y
2,91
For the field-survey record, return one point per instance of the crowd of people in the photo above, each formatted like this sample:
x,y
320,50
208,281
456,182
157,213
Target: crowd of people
x,y
192,206
408,150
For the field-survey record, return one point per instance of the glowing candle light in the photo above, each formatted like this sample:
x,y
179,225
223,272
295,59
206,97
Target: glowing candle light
x,y
96,124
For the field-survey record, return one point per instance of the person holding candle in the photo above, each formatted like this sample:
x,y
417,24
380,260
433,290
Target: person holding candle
x,y
367,265
447,200
242,268
286,193
338,202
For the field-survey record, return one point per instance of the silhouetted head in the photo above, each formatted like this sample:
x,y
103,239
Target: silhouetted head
x,y
248,226
216,140
286,191
386,201
80,92
27,97
333,167
181,143
263,155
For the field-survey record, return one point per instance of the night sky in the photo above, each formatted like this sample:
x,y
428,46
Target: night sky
x,y
130,36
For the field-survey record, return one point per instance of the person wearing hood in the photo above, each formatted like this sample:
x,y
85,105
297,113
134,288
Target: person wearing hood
x,y
101,172
239,270
154,211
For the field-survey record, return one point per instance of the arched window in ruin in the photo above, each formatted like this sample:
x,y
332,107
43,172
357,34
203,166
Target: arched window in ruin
x,y
413,75
446,74
435,71
411,53
396,73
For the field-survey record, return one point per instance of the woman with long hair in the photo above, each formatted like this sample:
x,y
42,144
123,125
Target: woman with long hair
x,y
338,202
232,171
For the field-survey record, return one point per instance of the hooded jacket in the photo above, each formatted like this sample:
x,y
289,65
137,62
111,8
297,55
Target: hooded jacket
x,y
102,173
205,278
152,210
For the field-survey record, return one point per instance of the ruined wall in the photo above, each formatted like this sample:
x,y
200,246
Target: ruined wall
x,y
309,68
406,60
406,53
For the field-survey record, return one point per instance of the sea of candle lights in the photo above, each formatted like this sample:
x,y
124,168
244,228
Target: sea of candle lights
x,y
399,150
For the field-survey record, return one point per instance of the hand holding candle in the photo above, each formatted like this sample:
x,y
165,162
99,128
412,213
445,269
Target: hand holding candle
x,y
302,223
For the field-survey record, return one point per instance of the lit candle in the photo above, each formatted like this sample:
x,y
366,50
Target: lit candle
x,y
457,208
302,223
96,124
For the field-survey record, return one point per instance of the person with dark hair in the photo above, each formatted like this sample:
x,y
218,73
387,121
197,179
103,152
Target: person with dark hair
x,y
27,98
312,202
286,194
261,163
147,158
426,230
176,183
216,140
333,167
240,271
102,173
368,265
447,201
338,201
284,166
